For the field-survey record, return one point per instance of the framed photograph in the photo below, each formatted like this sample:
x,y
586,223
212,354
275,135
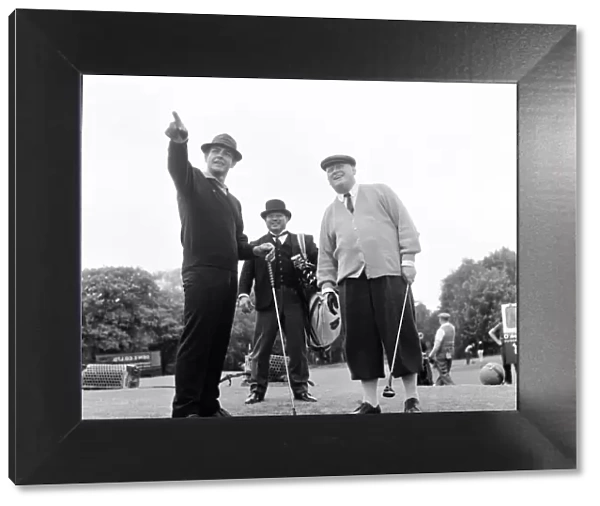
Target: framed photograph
x,y
471,124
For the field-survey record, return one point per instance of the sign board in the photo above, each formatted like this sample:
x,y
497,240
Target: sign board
x,y
510,349
145,360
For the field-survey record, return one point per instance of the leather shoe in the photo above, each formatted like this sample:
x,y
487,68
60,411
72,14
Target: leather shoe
x,y
221,413
366,409
305,397
412,406
254,397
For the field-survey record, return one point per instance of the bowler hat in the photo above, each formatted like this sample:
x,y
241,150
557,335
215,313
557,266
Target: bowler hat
x,y
338,159
275,206
225,141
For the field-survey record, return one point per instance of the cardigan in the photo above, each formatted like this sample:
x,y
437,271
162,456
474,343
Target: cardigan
x,y
374,239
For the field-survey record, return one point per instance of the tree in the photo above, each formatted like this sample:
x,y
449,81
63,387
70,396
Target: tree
x,y
241,338
474,292
124,310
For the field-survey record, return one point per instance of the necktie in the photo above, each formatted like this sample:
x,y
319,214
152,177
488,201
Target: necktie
x,y
278,237
349,204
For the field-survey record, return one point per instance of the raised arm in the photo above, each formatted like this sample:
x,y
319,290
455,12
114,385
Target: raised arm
x,y
179,167
492,333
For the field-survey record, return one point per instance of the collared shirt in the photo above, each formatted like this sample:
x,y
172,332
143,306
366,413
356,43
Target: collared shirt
x,y
220,185
353,192
282,236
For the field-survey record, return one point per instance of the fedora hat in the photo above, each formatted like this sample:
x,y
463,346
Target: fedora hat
x,y
225,141
337,159
275,206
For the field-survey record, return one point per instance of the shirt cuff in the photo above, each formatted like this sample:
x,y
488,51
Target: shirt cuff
x,y
328,289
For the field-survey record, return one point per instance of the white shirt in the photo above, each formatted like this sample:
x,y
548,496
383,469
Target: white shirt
x,y
439,336
353,192
282,238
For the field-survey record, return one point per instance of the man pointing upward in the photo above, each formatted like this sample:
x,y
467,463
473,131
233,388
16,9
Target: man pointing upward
x,y
213,240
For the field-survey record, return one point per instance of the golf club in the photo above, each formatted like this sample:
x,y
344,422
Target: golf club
x,y
388,391
287,372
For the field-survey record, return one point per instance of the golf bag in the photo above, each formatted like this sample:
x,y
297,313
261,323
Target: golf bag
x,y
425,377
321,327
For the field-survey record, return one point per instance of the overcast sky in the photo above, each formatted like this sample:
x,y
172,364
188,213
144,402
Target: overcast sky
x,y
448,150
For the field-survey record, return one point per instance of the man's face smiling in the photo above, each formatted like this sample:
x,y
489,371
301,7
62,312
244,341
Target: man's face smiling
x,y
276,222
219,160
341,176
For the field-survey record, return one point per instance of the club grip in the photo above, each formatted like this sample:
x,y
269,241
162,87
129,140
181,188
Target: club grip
x,y
271,276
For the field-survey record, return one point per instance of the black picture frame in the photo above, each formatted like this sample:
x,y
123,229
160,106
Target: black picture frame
x,y
49,53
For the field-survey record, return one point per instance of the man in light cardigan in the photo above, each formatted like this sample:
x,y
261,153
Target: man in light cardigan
x,y
367,251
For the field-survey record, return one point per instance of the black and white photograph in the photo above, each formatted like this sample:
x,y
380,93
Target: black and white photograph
x,y
232,236
260,247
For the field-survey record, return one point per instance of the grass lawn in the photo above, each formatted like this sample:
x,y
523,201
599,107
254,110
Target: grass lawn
x,y
333,387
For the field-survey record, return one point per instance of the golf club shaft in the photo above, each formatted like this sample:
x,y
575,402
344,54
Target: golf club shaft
x,y
398,336
287,372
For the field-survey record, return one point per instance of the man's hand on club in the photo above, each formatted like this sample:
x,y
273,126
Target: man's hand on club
x,y
177,131
409,272
245,304
265,250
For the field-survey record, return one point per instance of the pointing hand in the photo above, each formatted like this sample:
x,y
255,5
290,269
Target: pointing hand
x,y
177,131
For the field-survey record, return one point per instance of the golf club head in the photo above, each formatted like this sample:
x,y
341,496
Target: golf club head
x,y
388,392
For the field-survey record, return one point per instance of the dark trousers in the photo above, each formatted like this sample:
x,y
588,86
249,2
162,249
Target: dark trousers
x,y
443,365
371,310
209,308
291,312
508,377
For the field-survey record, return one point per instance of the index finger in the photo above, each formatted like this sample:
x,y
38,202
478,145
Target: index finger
x,y
177,119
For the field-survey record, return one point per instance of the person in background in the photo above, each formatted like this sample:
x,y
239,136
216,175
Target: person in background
x,y
493,333
443,350
469,353
480,351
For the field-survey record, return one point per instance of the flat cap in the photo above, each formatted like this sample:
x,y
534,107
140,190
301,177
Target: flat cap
x,y
338,159
443,315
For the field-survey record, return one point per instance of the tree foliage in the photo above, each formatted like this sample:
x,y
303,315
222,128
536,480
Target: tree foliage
x,y
124,310
474,292
127,309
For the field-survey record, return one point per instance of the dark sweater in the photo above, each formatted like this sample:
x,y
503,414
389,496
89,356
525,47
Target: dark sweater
x,y
212,229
